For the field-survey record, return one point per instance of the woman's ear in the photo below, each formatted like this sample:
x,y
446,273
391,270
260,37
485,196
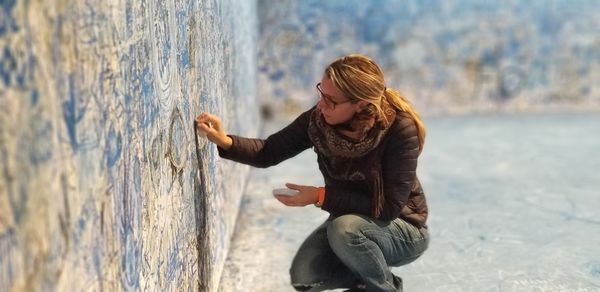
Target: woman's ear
x,y
361,105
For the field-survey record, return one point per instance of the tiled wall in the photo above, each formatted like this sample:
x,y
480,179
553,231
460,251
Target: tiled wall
x,y
100,188
445,56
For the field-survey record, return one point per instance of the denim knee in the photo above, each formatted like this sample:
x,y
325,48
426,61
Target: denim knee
x,y
343,230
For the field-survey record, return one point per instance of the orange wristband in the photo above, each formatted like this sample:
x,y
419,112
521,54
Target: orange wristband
x,y
321,199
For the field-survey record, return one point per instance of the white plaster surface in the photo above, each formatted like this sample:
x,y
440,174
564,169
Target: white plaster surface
x,y
513,201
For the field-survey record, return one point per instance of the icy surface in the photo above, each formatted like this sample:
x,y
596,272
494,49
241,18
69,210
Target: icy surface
x,y
513,207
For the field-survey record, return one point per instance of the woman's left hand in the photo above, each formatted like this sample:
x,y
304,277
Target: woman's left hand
x,y
306,195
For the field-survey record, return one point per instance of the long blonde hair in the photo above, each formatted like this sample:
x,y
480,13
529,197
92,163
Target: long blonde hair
x,y
360,78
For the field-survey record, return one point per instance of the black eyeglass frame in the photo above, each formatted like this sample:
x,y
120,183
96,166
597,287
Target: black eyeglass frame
x,y
329,102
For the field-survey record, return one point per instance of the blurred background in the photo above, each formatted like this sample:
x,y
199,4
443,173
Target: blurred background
x,y
104,185
446,56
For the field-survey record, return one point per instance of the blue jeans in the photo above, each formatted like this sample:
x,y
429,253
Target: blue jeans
x,y
353,250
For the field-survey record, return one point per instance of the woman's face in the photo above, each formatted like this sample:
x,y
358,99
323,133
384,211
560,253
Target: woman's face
x,y
335,107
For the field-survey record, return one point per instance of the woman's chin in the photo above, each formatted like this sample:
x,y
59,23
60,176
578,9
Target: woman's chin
x,y
328,120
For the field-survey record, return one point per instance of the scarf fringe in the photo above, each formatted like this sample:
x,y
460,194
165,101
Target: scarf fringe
x,y
378,197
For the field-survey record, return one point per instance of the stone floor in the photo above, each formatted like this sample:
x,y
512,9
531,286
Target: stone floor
x,y
514,202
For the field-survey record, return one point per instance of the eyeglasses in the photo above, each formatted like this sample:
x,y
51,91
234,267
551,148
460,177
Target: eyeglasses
x,y
329,102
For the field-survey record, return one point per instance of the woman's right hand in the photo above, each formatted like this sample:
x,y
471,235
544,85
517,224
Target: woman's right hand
x,y
211,126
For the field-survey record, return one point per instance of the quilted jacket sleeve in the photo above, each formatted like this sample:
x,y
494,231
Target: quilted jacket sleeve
x,y
278,147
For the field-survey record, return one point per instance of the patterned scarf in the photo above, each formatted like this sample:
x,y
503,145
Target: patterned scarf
x,y
341,144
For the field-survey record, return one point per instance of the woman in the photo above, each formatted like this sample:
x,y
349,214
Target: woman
x,y
367,138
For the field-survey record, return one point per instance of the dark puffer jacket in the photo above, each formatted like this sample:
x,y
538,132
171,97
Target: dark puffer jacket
x,y
398,153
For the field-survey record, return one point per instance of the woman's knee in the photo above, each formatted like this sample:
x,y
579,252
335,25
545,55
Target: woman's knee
x,y
344,229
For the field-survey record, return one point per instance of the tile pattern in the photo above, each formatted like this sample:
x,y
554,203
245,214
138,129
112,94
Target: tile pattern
x,y
98,172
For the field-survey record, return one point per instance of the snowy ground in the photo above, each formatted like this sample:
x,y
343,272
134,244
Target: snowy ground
x,y
514,202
